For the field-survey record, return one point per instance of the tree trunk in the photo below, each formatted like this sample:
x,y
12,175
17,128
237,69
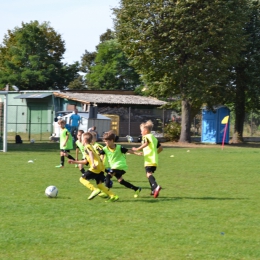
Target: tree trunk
x,y
239,113
185,122
239,125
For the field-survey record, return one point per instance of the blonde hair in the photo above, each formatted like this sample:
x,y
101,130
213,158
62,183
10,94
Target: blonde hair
x,y
94,134
62,121
147,125
88,137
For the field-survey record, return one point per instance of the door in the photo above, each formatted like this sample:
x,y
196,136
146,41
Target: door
x,y
37,121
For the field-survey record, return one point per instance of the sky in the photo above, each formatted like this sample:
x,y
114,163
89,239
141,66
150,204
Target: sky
x,y
80,22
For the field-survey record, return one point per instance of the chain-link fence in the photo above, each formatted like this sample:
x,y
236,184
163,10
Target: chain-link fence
x,y
251,125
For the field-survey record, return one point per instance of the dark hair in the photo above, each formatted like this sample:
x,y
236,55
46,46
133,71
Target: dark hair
x,y
109,136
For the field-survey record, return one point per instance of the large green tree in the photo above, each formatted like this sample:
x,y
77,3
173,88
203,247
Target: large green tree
x,y
245,76
111,69
30,58
183,48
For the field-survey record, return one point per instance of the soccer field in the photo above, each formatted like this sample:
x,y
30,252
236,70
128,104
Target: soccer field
x,y
208,207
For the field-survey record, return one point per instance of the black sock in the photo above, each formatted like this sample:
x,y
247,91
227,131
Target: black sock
x,y
82,170
152,182
108,184
62,160
128,185
70,157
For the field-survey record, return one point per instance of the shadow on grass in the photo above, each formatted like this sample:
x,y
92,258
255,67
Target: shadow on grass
x,y
206,198
163,199
35,147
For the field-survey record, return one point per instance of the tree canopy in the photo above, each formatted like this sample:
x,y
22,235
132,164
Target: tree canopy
x,y
30,58
110,68
183,48
245,75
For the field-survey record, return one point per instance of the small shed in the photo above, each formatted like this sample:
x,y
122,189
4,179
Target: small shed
x,y
102,123
212,128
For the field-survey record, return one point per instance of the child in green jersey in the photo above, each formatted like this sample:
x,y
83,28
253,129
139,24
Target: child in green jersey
x,y
116,159
151,148
66,143
96,168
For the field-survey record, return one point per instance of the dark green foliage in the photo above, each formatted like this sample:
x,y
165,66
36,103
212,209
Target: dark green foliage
x,y
183,48
111,69
245,76
30,58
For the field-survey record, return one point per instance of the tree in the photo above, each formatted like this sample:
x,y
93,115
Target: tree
x,y
245,76
30,57
183,48
88,58
111,69
77,84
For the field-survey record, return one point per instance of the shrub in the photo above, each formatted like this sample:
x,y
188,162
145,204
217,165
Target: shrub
x,y
172,131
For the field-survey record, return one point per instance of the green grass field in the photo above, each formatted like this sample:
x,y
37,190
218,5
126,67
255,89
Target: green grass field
x,y
208,208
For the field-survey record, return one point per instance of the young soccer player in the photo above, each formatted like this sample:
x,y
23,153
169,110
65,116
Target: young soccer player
x,y
96,169
85,182
115,156
151,148
66,143
97,147
80,149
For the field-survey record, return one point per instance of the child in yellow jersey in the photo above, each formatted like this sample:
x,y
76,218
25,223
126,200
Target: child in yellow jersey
x,y
116,159
151,148
80,149
97,147
66,143
96,168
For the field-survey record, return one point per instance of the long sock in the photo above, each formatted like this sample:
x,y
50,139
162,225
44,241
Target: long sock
x,y
62,160
105,190
108,177
152,182
82,170
71,157
128,185
87,183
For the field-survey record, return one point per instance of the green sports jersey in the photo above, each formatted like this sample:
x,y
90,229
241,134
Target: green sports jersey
x,y
115,158
63,137
81,147
150,151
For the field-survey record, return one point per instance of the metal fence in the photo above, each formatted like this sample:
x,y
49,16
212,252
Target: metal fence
x,y
251,125
130,122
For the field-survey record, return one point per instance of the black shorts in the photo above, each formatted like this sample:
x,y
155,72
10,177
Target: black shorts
x,y
151,169
117,173
65,151
98,177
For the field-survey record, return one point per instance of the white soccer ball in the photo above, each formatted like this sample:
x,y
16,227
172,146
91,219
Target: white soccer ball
x,y
51,192
32,141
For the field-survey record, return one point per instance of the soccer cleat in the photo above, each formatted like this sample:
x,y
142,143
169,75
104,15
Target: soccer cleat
x,y
94,194
59,166
137,192
151,193
113,199
102,194
157,191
